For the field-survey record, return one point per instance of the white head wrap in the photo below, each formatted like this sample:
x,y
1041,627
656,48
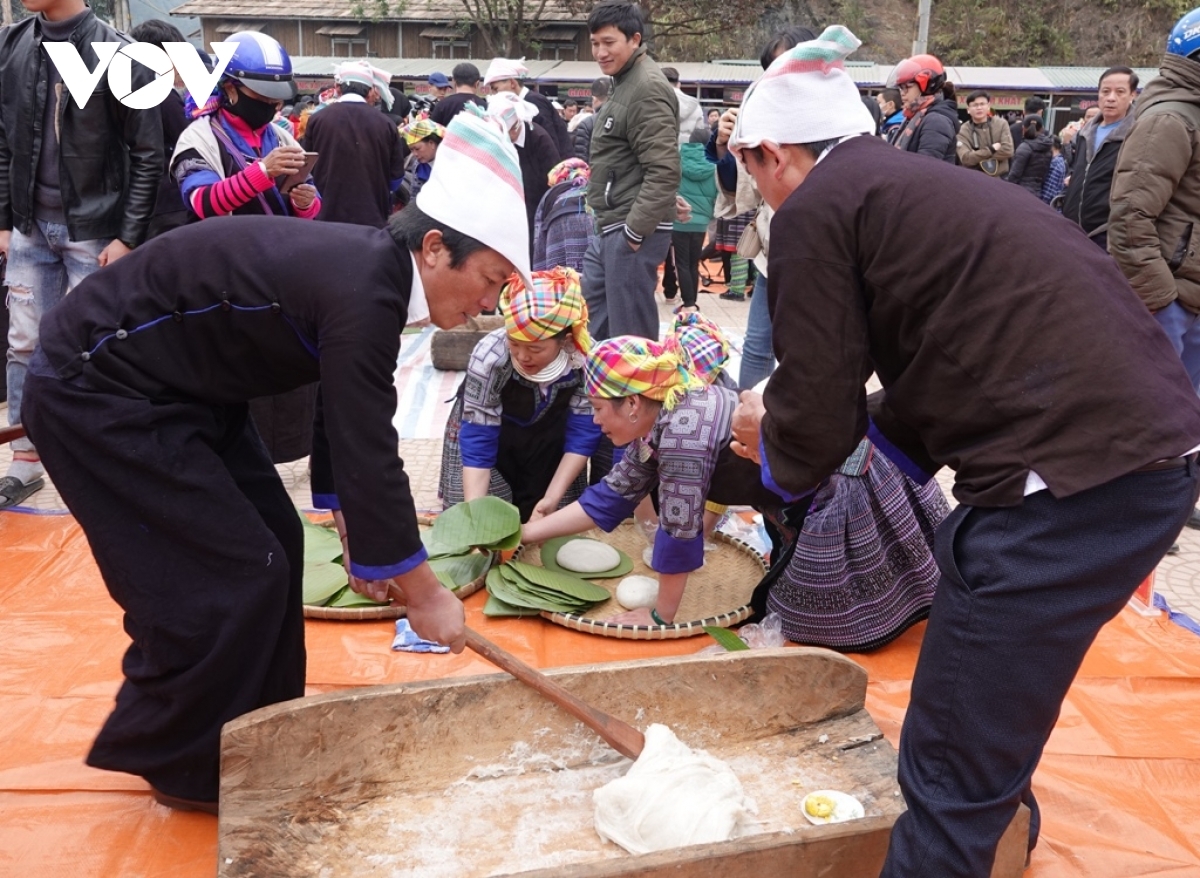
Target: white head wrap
x,y
365,74
505,68
476,188
805,96
508,108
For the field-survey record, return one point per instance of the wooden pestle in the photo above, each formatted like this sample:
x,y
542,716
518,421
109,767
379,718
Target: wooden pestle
x,y
623,738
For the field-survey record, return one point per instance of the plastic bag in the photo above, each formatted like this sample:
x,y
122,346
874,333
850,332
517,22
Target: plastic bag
x,y
765,634
752,534
757,635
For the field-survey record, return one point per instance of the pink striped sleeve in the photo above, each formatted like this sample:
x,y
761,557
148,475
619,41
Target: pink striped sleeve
x,y
228,195
311,211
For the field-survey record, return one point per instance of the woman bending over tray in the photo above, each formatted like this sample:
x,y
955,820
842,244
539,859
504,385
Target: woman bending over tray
x,y
854,568
521,427
646,396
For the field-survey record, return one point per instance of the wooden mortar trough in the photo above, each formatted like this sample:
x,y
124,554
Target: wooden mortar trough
x,y
480,776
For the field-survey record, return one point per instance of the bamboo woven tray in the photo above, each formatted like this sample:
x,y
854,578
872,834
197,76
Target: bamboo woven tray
x,y
392,610
718,594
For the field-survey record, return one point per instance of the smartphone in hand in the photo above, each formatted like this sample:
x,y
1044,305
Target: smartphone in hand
x,y
291,181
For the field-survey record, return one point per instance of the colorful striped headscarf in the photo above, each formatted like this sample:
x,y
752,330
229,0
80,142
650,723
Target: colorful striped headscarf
x,y
555,302
475,188
420,128
704,343
805,96
569,169
628,365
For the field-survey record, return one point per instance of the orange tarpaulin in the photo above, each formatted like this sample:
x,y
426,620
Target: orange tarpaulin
x,y
1118,784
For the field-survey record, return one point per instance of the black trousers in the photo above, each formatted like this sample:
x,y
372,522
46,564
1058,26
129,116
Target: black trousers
x,y
1023,593
687,247
670,283
200,545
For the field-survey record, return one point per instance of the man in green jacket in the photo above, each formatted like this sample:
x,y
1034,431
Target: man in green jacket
x,y
1155,205
635,172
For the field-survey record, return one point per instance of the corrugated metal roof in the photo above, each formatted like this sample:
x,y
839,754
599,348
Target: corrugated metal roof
x,y
412,10
1015,78
1087,78
1043,80
406,68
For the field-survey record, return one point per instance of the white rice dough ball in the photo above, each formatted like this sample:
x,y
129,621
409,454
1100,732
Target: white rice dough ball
x,y
587,556
648,556
672,796
637,592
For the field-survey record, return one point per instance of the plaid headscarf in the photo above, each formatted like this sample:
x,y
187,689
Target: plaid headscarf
x,y
628,365
569,169
555,302
705,344
420,128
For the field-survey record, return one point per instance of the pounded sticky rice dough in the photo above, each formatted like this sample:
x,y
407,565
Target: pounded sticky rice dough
x,y
635,592
672,796
587,556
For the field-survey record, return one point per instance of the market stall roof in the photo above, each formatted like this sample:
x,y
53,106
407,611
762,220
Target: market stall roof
x,y
1008,78
1087,78
412,10
406,68
866,74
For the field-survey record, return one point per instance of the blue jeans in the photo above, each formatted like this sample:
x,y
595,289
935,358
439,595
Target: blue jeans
x,y
42,266
758,358
1183,329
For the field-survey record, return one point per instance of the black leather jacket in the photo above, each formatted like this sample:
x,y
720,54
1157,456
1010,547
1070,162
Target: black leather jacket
x,y
1087,197
110,157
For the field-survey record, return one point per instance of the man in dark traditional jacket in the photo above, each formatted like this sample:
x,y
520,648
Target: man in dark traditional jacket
x,y
139,392
360,155
1070,423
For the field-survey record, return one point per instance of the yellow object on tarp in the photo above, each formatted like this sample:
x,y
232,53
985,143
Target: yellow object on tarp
x,y
1117,785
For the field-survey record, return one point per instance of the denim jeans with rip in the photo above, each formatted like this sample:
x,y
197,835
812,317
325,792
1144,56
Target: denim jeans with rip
x,y
42,267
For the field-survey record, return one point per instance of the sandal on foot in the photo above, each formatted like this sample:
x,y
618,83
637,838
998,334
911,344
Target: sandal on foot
x,y
13,490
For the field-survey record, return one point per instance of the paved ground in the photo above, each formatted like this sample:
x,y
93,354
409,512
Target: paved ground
x,y
1177,578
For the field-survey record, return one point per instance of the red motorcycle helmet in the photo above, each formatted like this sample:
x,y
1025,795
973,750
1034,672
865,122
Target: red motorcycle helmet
x,y
925,70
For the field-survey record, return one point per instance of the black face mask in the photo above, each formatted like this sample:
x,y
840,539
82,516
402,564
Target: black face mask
x,y
255,113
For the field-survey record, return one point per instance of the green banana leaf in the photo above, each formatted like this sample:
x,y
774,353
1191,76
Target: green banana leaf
x,y
500,587
348,597
566,583
725,637
550,550
322,580
320,543
485,523
515,589
498,608
437,549
456,571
